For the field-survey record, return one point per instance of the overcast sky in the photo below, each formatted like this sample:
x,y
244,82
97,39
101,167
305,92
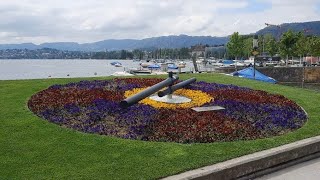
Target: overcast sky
x,y
39,21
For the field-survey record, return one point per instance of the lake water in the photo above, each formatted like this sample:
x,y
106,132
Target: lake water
x,y
39,69
45,68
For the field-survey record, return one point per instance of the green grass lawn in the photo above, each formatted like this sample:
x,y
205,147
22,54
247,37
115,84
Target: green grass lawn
x,y
313,86
32,148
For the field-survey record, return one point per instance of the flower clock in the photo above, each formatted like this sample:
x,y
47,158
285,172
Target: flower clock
x,y
94,107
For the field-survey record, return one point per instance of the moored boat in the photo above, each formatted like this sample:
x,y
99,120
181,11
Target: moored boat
x,y
118,65
182,64
172,66
145,65
154,66
115,62
122,73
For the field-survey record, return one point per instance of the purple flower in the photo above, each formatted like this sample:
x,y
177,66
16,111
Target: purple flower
x,y
72,108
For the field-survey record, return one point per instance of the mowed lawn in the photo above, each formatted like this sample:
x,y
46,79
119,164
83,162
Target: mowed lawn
x,y
32,148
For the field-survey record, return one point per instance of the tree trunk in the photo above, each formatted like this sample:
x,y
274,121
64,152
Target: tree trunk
x,y
194,59
300,61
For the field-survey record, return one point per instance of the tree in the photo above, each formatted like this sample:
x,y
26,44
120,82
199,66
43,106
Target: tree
x,y
235,46
287,44
184,53
314,46
247,50
301,46
261,44
123,54
272,47
99,55
138,54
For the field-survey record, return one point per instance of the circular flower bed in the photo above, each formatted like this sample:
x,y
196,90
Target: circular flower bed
x,y
93,107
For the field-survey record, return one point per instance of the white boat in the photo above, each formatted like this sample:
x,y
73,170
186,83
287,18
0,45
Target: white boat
x,y
217,63
172,66
182,64
154,66
118,65
121,73
114,63
145,65
238,64
200,60
158,73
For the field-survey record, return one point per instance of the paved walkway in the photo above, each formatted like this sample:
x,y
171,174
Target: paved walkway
x,y
309,170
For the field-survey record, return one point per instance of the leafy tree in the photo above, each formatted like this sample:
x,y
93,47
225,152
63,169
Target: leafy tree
x,y
123,54
235,46
247,49
260,44
301,45
184,53
138,54
268,37
314,46
99,55
287,43
272,46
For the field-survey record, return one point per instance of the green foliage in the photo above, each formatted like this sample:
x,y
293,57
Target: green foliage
x,y
301,45
184,53
297,44
217,52
261,43
138,54
123,54
235,46
313,46
288,43
272,46
178,53
247,49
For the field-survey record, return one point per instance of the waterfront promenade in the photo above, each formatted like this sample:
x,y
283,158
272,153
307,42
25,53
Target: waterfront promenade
x,y
309,170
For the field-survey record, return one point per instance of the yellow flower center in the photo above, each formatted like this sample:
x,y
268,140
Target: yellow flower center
x,y
198,98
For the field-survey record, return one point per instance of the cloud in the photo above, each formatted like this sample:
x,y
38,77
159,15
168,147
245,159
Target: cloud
x,y
82,21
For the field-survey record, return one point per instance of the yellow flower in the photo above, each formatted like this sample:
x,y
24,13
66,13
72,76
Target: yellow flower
x,y
198,98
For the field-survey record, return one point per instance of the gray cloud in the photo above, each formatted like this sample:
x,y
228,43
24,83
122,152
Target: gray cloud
x,y
87,21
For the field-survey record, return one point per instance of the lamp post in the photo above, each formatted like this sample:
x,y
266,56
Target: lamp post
x,y
254,52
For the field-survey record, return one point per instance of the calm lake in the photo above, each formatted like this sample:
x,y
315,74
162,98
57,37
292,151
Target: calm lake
x,y
45,68
53,68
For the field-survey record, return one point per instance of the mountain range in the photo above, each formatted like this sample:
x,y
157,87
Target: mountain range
x,y
309,28
127,44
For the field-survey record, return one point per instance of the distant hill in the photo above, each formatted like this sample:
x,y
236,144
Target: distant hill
x,y
127,44
309,28
30,46
180,41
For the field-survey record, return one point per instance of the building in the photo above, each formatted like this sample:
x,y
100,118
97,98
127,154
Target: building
x,y
198,50
311,60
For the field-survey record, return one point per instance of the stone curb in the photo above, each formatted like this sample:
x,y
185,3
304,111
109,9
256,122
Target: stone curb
x,y
257,164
